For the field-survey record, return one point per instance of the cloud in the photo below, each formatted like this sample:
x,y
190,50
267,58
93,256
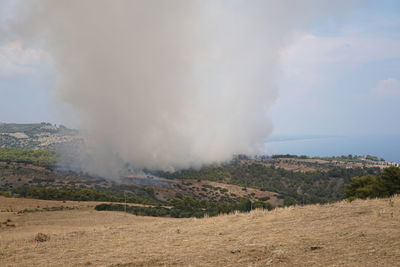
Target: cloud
x,y
17,59
311,59
388,88
317,70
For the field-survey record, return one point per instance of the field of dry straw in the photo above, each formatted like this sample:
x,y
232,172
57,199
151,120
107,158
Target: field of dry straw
x,y
360,233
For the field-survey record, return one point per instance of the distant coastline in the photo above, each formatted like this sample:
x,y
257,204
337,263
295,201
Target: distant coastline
x,y
385,146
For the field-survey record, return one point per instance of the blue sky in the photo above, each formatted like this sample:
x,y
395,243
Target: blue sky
x,y
338,78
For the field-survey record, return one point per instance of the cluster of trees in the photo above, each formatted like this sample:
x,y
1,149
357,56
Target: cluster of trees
x,y
29,156
188,207
385,184
296,187
78,194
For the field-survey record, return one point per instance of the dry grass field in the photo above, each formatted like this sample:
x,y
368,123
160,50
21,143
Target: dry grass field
x,y
19,204
360,233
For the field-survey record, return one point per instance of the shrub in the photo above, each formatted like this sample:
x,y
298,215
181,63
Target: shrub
x,y
262,205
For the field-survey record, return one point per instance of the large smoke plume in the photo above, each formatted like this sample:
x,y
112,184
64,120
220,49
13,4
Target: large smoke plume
x,y
168,84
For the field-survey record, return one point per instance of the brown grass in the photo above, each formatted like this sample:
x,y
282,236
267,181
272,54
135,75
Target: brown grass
x,y
360,233
18,204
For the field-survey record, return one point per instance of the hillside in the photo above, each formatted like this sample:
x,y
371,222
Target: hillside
x,y
29,156
37,135
301,187
15,175
360,233
254,179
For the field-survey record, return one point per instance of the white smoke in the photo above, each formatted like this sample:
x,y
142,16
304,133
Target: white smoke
x,y
169,84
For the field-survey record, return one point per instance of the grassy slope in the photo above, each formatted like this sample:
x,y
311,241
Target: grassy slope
x,y
360,233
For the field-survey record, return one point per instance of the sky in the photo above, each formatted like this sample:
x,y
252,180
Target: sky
x,y
338,78
344,79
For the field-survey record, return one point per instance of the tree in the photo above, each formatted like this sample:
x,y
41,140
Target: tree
x,y
244,205
384,185
363,187
390,180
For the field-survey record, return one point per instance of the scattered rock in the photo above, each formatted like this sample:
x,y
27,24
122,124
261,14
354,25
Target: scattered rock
x,y
315,248
40,237
235,251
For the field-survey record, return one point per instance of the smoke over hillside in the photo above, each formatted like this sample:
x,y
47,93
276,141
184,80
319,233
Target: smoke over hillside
x,y
168,84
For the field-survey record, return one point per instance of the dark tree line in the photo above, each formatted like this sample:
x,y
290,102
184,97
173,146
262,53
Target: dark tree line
x,y
189,207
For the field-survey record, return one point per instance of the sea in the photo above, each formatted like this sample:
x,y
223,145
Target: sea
x,y
383,146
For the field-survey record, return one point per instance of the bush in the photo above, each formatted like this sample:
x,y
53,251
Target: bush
x,y
263,205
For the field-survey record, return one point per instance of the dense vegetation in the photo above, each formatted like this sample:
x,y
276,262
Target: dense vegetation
x,y
385,184
189,207
295,187
29,156
78,194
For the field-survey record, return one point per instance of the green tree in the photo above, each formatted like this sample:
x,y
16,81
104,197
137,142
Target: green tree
x,y
384,185
390,180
